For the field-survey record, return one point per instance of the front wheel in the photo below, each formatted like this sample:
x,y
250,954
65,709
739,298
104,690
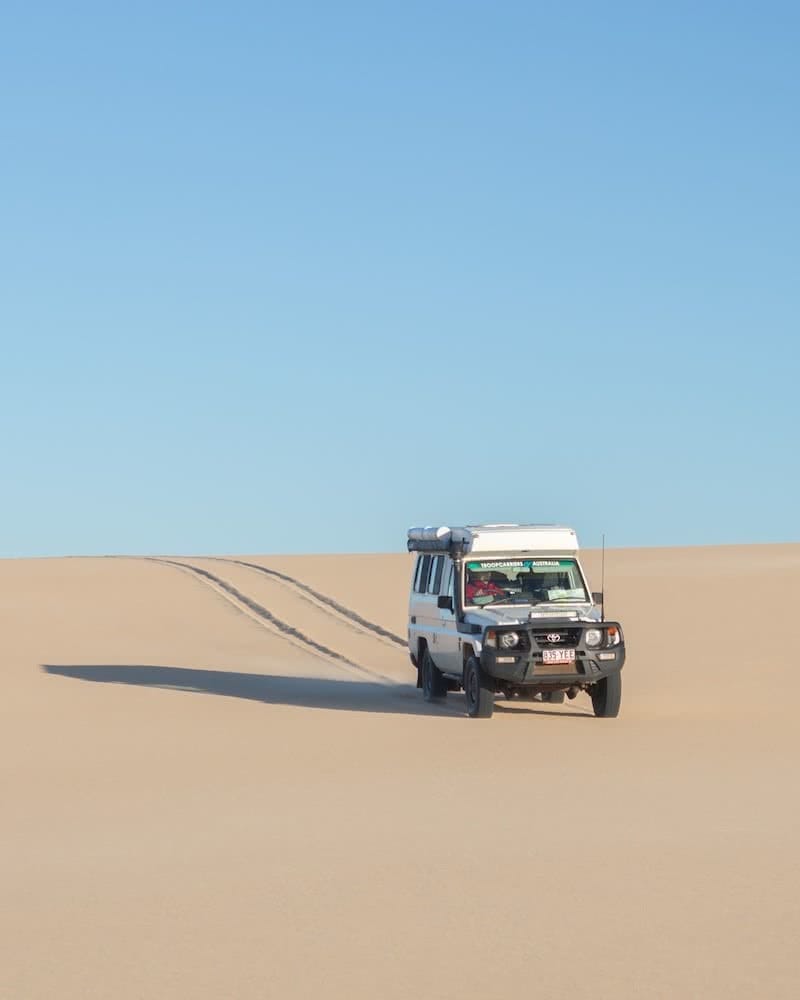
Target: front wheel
x,y
606,696
479,689
434,686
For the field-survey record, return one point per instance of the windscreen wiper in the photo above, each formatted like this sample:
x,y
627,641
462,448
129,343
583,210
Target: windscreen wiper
x,y
563,600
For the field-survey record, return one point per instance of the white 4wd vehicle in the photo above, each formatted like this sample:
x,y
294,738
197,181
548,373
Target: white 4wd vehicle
x,y
506,607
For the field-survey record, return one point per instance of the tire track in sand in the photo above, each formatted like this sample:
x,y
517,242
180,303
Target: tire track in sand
x,y
323,601
265,617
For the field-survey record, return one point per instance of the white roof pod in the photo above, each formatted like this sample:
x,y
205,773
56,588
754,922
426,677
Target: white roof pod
x,y
429,539
494,538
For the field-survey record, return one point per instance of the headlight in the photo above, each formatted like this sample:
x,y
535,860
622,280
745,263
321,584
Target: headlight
x,y
508,639
593,637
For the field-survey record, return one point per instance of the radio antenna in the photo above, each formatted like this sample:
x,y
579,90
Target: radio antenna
x,y
603,581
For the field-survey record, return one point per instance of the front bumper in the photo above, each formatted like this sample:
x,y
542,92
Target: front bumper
x,y
526,667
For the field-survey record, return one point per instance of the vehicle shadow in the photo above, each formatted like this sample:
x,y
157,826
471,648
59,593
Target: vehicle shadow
x,y
305,692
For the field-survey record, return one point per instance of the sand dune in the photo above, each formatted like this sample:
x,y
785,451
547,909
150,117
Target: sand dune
x,y
223,783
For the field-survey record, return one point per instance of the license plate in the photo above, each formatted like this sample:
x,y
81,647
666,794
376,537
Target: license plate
x,y
558,656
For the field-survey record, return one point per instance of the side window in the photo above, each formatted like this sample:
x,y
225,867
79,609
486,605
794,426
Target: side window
x,y
422,576
439,573
436,575
450,581
417,568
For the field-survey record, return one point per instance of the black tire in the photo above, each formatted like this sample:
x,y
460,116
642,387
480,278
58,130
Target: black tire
x,y
479,690
607,696
434,686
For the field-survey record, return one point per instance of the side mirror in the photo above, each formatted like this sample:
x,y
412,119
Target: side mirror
x,y
597,597
445,601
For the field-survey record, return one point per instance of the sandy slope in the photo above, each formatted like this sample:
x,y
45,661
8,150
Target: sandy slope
x,y
196,804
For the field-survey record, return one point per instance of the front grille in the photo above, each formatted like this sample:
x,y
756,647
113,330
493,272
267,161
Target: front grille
x,y
566,637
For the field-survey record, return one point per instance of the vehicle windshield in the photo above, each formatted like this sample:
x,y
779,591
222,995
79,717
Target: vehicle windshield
x,y
523,581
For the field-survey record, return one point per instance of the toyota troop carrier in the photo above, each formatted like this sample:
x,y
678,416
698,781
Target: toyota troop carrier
x,y
506,608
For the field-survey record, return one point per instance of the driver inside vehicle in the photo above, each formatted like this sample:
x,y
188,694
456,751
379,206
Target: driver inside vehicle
x,y
480,584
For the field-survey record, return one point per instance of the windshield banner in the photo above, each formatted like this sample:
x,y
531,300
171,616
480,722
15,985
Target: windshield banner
x,y
518,563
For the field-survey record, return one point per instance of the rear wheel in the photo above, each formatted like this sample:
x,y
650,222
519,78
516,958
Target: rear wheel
x,y
434,686
479,690
607,696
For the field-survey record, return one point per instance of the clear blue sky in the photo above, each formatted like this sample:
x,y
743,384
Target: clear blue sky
x,y
290,277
